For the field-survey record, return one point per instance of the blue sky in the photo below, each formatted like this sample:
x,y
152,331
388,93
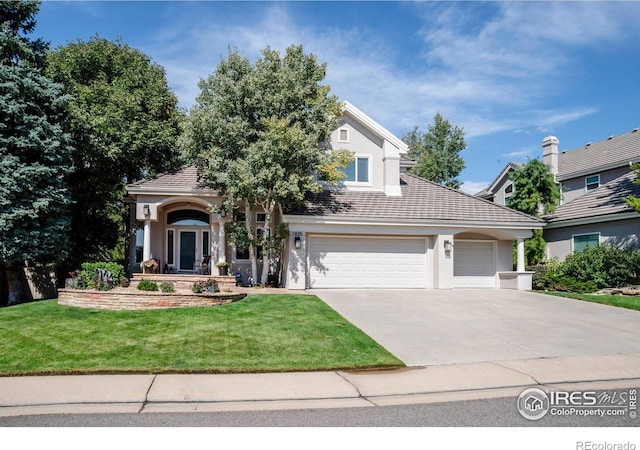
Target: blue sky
x,y
509,73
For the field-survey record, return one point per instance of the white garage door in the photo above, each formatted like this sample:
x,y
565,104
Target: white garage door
x,y
352,262
474,263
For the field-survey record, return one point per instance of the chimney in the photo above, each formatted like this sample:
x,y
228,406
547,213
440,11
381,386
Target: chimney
x,y
550,153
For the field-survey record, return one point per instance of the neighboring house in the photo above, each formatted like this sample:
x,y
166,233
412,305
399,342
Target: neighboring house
x,y
594,180
600,216
501,188
383,227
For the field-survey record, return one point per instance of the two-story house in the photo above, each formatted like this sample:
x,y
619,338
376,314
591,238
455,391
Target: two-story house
x,y
594,180
382,228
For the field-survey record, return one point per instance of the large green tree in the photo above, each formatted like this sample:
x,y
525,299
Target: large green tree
x,y
34,150
124,125
535,192
258,133
437,152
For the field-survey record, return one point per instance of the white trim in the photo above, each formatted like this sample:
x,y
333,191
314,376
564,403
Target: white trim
x,y
374,126
585,234
369,175
453,224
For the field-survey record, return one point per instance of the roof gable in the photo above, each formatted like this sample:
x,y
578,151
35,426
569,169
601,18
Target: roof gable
x,y
374,127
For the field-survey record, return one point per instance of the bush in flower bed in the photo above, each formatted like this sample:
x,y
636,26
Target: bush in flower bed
x,y
205,286
85,278
147,285
167,287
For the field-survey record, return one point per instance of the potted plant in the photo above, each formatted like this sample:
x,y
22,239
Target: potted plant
x,y
223,267
149,266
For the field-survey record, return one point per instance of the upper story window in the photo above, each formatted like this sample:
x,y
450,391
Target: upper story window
x,y
358,170
343,135
592,182
508,192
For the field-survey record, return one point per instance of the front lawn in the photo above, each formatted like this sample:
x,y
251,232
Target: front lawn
x,y
277,332
623,301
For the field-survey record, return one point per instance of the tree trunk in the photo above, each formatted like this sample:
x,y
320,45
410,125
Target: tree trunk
x,y
266,232
15,291
252,247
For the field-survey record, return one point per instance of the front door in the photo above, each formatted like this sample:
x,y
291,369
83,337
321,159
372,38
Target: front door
x,y
187,250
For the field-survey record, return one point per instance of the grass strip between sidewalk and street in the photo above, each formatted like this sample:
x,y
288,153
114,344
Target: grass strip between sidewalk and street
x,y
261,333
622,301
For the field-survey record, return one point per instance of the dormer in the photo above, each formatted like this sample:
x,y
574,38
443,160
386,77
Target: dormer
x,y
376,150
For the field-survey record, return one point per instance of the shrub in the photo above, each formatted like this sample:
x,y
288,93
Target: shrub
x,y
148,285
167,287
86,276
210,285
605,265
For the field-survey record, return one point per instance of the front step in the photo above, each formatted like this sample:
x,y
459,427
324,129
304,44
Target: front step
x,y
183,281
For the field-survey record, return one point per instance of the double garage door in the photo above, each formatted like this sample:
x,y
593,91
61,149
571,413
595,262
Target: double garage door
x,y
366,262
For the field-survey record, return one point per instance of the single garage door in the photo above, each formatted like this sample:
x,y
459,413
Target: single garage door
x,y
366,262
474,263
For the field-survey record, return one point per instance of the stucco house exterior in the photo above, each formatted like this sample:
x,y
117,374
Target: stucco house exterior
x,y
383,227
594,180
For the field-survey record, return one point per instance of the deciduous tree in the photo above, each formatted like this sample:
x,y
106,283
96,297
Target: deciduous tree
x,y
124,125
259,132
437,152
535,192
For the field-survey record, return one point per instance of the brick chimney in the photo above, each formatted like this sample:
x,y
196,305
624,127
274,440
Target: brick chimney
x,y
550,153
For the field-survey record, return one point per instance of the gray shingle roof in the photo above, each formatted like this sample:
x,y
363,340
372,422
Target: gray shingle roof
x,y
420,200
614,151
183,179
605,200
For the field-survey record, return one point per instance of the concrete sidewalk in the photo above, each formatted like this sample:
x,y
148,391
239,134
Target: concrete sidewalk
x,y
233,392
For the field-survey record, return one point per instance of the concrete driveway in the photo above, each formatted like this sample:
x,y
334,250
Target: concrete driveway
x,y
423,327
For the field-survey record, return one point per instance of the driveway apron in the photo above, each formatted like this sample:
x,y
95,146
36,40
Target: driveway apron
x,y
429,327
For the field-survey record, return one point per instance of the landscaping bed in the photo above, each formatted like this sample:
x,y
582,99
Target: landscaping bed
x,y
133,299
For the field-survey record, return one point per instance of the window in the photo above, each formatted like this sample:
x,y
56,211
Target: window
x,y
169,246
582,241
139,245
206,249
343,135
261,217
242,254
508,192
358,170
592,182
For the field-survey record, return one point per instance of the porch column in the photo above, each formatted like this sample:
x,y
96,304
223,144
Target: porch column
x,y
222,245
520,259
146,249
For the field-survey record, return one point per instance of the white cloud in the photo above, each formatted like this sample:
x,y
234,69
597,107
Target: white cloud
x,y
487,67
473,187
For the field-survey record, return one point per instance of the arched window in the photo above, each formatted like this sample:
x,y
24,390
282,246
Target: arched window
x,y
191,217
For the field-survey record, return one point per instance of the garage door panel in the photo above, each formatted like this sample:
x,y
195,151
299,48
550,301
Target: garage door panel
x,y
474,263
367,262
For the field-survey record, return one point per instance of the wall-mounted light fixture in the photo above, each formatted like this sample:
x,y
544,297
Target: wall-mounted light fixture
x,y
297,242
448,246
146,210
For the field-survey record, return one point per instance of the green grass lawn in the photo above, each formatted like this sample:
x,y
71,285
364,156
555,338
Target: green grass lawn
x,y
623,301
277,332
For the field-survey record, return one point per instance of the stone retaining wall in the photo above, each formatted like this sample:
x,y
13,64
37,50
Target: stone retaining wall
x,y
137,300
